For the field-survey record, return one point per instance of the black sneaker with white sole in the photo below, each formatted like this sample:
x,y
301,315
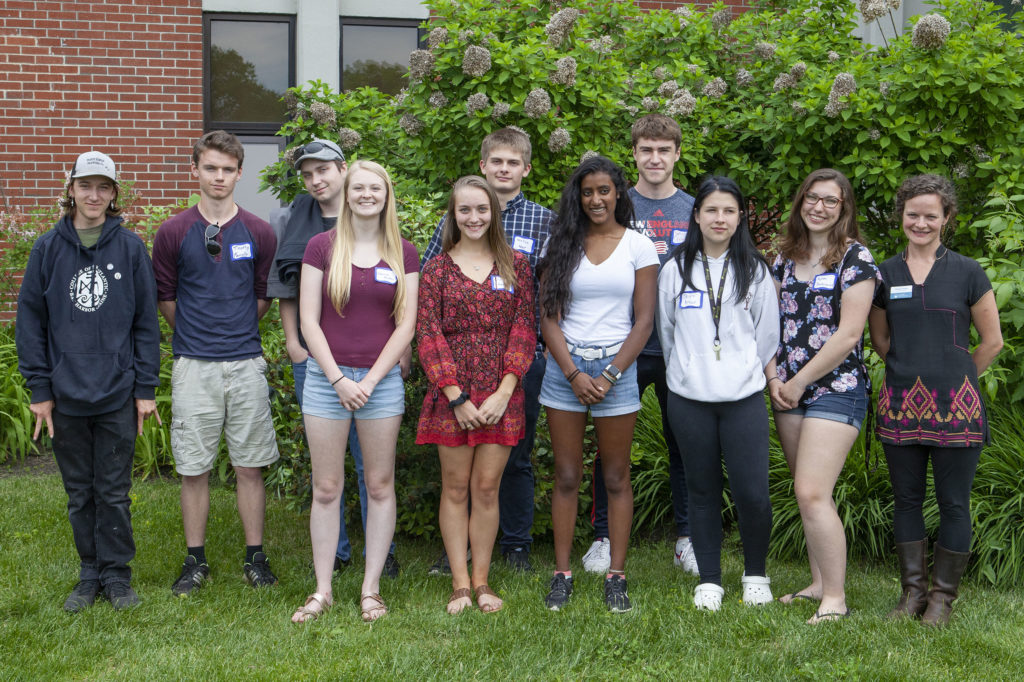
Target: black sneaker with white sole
x,y
559,593
257,572
193,575
615,596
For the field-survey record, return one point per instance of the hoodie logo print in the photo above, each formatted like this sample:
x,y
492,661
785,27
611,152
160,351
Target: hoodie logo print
x,y
89,289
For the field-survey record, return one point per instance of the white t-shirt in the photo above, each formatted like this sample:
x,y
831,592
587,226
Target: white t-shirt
x,y
601,307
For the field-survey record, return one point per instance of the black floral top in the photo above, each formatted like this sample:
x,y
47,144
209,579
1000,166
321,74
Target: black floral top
x,y
809,314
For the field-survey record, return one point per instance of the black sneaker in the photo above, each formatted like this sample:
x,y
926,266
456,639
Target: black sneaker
x,y
340,563
561,590
615,597
391,566
518,559
257,572
120,595
193,575
441,566
83,596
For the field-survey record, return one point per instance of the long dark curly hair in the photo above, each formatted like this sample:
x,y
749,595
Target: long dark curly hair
x,y
747,264
565,245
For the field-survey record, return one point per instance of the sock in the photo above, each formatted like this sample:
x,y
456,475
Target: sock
x,y
250,552
621,574
199,553
567,574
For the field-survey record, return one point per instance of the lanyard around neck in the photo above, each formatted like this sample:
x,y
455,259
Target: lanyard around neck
x,y
715,301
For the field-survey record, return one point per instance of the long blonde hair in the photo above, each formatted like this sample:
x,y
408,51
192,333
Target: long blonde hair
x,y
389,244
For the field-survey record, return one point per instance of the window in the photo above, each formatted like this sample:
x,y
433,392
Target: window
x,y
249,61
375,52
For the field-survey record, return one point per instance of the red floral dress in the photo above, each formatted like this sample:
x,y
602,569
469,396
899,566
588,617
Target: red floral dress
x,y
471,335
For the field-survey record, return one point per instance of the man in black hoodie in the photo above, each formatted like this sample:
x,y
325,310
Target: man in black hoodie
x,y
88,342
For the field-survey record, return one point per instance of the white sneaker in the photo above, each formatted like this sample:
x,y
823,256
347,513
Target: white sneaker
x,y
756,590
708,596
598,558
685,557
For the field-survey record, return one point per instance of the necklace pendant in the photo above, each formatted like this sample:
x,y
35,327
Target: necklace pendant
x,y
717,347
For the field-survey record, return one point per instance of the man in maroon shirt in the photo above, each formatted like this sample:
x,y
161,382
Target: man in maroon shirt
x,y
211,263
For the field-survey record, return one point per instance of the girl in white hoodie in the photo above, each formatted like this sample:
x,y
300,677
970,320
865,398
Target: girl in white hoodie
x,y
718,319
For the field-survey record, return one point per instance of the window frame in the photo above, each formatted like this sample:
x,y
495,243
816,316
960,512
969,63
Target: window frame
x,y
242,127
421,35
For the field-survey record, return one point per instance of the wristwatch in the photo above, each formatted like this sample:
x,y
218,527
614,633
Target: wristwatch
x,y
611,373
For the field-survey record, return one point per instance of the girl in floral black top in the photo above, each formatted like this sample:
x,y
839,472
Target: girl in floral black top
x,y
826,282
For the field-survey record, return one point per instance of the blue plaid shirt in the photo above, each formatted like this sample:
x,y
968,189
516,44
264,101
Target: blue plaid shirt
x,y
527,226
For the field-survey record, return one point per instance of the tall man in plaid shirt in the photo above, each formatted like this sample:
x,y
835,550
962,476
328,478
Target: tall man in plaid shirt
x,y
505,161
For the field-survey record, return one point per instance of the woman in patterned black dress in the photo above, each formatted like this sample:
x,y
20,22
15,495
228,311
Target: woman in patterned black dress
x,y
929,405
476,340
826,280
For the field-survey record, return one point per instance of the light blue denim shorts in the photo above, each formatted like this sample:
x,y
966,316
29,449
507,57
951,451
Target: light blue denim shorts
x,y
848,407
622,398
319,399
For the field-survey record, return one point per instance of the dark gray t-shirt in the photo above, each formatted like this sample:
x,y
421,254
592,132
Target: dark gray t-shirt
x,y
665,222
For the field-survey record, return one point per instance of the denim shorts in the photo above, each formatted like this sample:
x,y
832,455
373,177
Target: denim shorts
x,y
622,398
319,399
849,407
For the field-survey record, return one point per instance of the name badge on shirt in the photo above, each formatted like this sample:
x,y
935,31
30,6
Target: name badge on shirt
x,y
498,284
523,244
905,291
824,281
385,275
241,251
691,299
678,236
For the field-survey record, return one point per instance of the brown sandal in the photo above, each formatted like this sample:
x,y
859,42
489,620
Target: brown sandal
x,y
461,593
376,605
316,604
487,591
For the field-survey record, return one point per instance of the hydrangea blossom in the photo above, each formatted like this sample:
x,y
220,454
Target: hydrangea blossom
x,y
559,140
764,50
348,138
649,103
798,70
783,81
565,73
436,37
499,110
668,88
560,25
476,61
537,103
323,113
437,100
478,101
843,85
715,88
421,63
743,78
682,104
721,19
930,32
411,125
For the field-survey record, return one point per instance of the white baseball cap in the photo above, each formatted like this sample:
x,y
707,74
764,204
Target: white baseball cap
x,y
94,163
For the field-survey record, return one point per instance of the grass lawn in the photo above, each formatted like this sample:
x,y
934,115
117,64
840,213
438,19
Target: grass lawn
x,y
230,631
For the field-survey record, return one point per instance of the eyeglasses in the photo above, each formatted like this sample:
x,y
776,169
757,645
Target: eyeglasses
x,y
828,202
212,247
314,148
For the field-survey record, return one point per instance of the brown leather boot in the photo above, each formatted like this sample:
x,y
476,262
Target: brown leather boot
x,y
913,558
946,573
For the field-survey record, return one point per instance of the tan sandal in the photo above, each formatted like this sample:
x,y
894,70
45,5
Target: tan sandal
x,y
316,604
376,605
485,590
461,593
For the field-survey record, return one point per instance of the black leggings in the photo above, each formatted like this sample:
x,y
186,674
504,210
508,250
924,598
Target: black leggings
x,y
736,433
953,470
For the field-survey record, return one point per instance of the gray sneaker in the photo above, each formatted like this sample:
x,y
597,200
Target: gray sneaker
x,y
83,596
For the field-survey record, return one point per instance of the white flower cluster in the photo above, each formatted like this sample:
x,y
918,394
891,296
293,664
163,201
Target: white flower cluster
x,y
560,25
437,100
478,101
682,104
715,88
843,85
411,125
559,140
930,32
537,103
476,61
348,138
421,63
323,113
565,73
436,37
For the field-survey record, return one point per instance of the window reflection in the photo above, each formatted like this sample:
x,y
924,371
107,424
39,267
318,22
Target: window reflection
x,y
377,56
248,70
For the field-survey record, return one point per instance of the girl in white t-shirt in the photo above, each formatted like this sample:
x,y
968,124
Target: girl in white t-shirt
x,y
597,296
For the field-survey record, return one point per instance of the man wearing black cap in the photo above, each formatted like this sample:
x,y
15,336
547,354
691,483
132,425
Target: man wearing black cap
x,y
88,342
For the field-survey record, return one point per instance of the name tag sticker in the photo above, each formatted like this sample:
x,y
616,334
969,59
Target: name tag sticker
x,y
678,236
498,284
385,275
241,251
901,292
691,299
824,281
523,244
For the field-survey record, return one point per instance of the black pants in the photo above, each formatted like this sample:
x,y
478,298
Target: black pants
x,y
953,470
515,496
736,433
95,456
650,369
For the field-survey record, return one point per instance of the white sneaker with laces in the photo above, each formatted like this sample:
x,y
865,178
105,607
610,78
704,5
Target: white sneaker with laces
x,y
598,558
756,590
685,558
708,597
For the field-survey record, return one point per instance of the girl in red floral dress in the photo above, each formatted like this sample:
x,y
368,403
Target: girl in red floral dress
x,y
476,340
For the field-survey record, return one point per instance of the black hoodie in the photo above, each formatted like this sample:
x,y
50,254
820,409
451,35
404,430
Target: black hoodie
x,y
87,331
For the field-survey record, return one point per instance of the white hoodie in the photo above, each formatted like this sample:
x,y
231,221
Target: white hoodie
x,y
748,330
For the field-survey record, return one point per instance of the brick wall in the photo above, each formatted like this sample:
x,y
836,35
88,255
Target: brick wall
x,y
735,5
124,78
